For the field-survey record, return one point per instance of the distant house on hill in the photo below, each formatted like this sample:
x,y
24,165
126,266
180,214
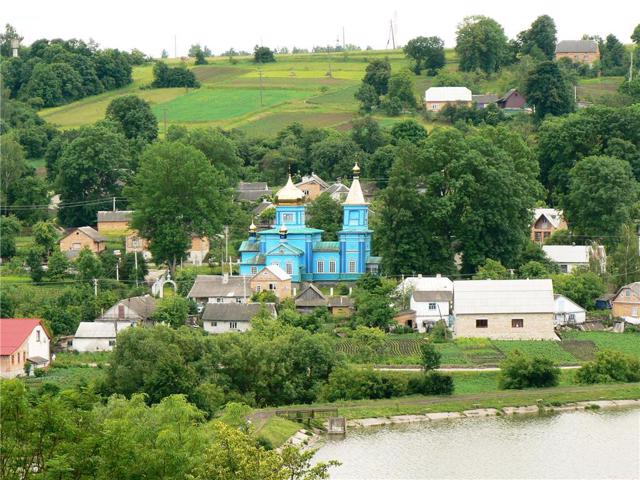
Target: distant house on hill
x,y
545,222
483,101
116,220
135,243
199,249
310,298
580,51
78,238
312,186
338,191
98,336
22,341
626,303
340,305
252,191
273,279
570,257
436,98
134,309
504,309
232,317
220,289
512,99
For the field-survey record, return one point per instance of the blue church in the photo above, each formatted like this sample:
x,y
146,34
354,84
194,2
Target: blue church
x,y
300,250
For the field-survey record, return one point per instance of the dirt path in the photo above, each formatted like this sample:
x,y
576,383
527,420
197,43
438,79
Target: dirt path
x,y
391,368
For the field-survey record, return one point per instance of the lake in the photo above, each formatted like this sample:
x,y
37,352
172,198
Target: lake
x,y
592,444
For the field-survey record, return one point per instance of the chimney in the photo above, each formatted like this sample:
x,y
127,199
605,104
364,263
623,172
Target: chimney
x,y
120,312
225,278
419,275
438,275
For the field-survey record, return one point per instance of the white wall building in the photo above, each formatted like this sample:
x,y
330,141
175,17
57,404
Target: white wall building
x,y
231,317
570,257
567,312
430,298
220,289
97,336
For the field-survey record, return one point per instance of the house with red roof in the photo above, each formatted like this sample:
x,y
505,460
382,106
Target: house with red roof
x,y
23,340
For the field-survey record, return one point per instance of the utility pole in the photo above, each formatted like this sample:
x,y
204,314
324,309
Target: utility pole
x,y
631,66
344,44
114,204
226,246
260,73
393,38
175,46
135,256
95,287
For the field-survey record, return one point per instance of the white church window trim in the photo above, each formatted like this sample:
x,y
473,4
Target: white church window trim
x,y
320,266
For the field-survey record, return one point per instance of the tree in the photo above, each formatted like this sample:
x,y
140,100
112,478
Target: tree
x,y
408,130
10,33
481,44
10,227
88,265
164,53
635,36
173,311
377,74
613,56
427,53
45,235
625,259
169,77
200,58
134,117
326,214
373,307
533,269
26,192
34,262
492,270
175,194
602,197
401,89
263,55
541,36
580,286
519,371
134,267
92,168
57,265
368,97
220,150
13,164
367,134
430,356
335,156
608,367
548,91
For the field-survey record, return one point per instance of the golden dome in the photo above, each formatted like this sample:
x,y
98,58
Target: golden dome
x,y
290,194
283,229
356,170
252,227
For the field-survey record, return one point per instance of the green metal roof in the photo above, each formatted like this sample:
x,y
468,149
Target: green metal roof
x,y
249,246
286,246
257,260
374,259
326,247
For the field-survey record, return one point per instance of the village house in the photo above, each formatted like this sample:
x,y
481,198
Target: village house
x,y
312,186
436,98
220,289
82,237
579,51
232,317
23,341
134,243
570,257
406,318
98,336
199,249
272,279
568,312
338,191
114,220
310,298
252,191
430,298
504,309
483,101
626,303
340,305
545,222
264,219
138,310
513,99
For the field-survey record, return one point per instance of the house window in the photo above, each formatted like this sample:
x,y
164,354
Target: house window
x,y
482,323
218,300
13,360
272,286
306,192
352,266
214,324
538,237
564,268
572,317
627,292
112,343
135,242
37,335
75,246
238,300
332,266
432,306
287,217
233,325
289,267
254,270
517,323
258,288
320,267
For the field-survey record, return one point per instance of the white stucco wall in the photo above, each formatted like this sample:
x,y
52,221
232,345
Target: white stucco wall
x,y
223,326
92,344
40,348
423,314
230,299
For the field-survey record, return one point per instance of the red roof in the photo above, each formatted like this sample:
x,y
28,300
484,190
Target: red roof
x,y
14,331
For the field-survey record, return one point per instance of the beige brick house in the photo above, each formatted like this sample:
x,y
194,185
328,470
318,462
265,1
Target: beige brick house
x,y
579,51
135,243
114,221
82,237
545,222
272,278
504,309
312,186
626,303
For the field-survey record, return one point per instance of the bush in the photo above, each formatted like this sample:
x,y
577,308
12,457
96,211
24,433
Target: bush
x,y
610,366
348,383
431,383
440,332
429,356
521,371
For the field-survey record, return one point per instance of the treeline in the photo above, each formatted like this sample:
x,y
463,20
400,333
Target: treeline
x,y
48,73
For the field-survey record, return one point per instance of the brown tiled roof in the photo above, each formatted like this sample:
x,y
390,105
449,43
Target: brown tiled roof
x,y
341,301
115,216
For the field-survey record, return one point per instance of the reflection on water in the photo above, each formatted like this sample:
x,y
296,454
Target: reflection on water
x,y
573,445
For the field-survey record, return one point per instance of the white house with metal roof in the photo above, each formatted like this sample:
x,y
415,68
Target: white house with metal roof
x,y
568,312
220,289
98,336
436,98
430,298
232,317
570,257
504,309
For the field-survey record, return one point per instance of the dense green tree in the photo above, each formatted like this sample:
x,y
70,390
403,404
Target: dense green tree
x,y
176,178
372,305
377,74
624,261
481,44
408,130
170,77
580,286
519,371
533,269
603,196
57,265
613,56
635,36
379,164
426,53
367,134
27,192
326,214
7,304
201,59
335,156
34,262
13,164
263,55
134,269
548,92
45,234
368,97
220,150
430,356
401,89
92,168
134,117
172,311
88,265
9,229
43,84
541,36
492,270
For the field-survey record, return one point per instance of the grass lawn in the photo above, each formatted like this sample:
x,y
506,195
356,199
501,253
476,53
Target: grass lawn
x,y
628,343
66,377
276,430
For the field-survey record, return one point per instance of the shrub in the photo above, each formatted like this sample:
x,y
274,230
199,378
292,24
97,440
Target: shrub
x,y
521,371
431,383
348,383
610,366
429,356
440,332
